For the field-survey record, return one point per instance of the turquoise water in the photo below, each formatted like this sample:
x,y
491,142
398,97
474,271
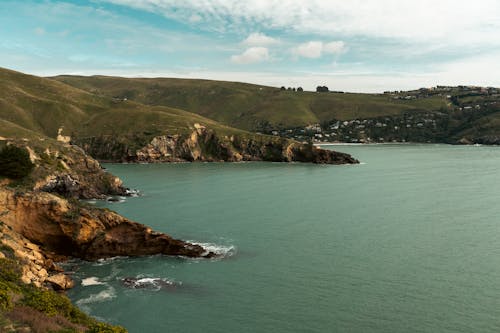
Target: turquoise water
x,y
407,241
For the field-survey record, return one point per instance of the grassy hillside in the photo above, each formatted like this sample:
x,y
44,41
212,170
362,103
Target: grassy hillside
x,y
120,129
248,106
31,106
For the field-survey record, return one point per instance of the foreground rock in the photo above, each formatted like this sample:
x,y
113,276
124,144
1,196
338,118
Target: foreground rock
x,y
60,281
84,232
37,268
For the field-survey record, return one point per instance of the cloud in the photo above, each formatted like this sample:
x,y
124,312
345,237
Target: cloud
x,y
316,49
259,39
251,55
195,18
336,47
310,50
422,20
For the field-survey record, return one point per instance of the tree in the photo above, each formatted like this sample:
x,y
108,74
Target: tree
x,y
282,88
322,89
300,89
15,162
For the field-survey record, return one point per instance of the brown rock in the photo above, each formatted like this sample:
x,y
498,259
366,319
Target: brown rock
x,y
60,281
89,233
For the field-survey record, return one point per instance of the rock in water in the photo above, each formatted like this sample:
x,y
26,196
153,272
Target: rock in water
x,y
147,283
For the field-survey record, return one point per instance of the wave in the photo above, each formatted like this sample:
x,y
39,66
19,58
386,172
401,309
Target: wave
x,y
133,192
219,250
103,296
103,261
91,281
116,199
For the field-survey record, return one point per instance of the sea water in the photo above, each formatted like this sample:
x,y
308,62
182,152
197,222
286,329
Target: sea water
x,y
409,240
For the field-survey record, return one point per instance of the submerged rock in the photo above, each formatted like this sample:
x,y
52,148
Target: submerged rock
x,y
147,283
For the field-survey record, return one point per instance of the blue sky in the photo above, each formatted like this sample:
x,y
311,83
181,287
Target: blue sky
x,y
356,45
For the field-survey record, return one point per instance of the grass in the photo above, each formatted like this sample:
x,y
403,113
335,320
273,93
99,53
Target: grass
x,y
32,107
248,106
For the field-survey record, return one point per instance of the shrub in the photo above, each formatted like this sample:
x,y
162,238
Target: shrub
x,y
48,302
40,323
5,297
52,304
106,328
15,162
9,270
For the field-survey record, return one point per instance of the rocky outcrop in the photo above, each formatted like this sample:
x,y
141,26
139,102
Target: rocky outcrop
x,y
75,175
206,145
37,268
60,281
84,232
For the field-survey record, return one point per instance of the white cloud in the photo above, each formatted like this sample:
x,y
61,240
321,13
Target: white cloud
x,y
310,50
409,20
316,49
195,18
251,55
259,39
336,47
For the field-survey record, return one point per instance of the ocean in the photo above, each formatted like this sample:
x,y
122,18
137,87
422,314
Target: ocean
x,y
407,241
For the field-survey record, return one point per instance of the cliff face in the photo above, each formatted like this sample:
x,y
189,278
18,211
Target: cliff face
x,y
69,229
206,145
76,175
41,218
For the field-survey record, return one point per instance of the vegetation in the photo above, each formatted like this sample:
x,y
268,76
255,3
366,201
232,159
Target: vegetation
x,y
251,107
24,305
15,162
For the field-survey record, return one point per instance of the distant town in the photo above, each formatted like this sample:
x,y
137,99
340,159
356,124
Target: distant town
x,y
462,102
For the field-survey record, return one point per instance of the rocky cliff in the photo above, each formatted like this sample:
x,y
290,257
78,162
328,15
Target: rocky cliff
x,y
41,217
70,229
207,145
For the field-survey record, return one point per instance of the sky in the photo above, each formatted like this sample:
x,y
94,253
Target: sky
x,y
348,45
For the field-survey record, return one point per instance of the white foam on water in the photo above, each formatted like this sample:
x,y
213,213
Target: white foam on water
x,y
219,250
116,199
133,192
103,261
91,281
103,296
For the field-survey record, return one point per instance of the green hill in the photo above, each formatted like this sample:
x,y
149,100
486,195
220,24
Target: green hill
x,y
247,106
120,129
440,114
43,106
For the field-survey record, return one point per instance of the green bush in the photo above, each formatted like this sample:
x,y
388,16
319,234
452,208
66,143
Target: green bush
x,y
106,328
48,302
9,270
15,162
52,303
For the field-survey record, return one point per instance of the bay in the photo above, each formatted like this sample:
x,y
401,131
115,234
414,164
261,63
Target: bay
x,y
406,241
